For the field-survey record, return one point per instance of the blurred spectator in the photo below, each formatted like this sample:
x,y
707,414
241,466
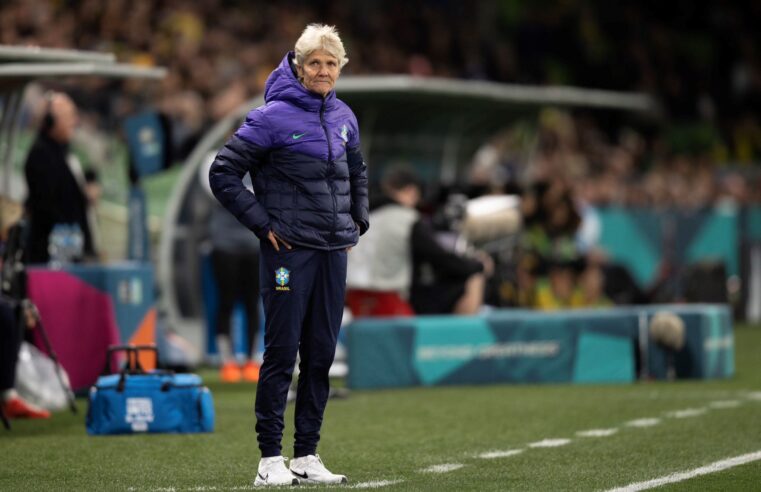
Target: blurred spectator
x,y
235,261
559,291
592,287
55,180
551,221
235,265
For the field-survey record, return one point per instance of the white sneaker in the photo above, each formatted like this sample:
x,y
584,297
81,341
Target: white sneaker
x,y
272,471
309,469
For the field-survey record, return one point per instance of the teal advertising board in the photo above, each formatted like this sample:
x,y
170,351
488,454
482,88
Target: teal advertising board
x,y
522,346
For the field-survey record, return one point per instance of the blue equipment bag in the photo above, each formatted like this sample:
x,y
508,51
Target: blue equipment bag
x,y
135,401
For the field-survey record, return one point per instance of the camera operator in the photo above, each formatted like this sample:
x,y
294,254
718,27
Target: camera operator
x,y
403,256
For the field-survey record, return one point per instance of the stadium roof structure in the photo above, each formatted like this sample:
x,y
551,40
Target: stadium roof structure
x,y
435,124
484,91
38,54
20,65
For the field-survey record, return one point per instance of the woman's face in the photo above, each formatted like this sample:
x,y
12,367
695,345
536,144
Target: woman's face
x,y
319,72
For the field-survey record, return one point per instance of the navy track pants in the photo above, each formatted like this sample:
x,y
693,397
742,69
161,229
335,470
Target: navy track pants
x,y
303,293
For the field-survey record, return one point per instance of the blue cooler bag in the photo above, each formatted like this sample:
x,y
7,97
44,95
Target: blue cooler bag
x,y
135,401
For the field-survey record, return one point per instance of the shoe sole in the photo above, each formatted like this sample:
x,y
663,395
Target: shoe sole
x,y
262,483
310,481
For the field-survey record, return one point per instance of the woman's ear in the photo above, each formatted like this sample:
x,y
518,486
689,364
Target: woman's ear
x,y
299,71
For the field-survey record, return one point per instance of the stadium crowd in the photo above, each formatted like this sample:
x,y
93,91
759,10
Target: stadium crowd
x,y
627,168
701,60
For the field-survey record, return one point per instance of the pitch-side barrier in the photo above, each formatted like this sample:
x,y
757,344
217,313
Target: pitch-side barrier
x,y
617,345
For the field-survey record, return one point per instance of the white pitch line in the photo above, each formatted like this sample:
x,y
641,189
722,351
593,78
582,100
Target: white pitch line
x,y
686,413
686,475
443,468
549,443
210,488
721,404
754,395
643,422
499,454
374,484
597,432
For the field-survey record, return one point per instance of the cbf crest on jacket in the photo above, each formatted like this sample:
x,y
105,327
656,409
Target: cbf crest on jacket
x,y
302,150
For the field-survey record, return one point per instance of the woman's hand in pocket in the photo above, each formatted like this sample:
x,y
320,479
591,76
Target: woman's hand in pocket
x,y
275,240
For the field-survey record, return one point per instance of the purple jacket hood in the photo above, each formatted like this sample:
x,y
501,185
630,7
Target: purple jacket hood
x,y
283,85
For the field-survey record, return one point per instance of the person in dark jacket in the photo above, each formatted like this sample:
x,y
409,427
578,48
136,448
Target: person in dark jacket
x,y
308,208
54,180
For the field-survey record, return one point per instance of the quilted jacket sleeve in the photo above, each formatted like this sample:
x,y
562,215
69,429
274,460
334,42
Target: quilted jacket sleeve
x,y
244,152
358,180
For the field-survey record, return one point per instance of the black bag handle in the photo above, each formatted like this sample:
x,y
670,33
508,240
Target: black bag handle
x,y
133,362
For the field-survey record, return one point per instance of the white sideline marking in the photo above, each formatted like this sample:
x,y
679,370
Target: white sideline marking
x,y
549,443
500,454
686,475
375,484
597,432
724,404
446,467
687,413
643,422
754,395
203,488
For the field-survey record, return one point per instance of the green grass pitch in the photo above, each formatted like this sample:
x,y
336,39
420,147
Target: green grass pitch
x,y
392,435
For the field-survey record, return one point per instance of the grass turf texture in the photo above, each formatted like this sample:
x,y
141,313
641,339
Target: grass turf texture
x,y
391,435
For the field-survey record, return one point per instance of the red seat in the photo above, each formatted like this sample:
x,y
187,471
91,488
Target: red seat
x,y
377,303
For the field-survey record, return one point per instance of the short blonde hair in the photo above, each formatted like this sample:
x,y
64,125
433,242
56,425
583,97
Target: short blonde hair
x,y
320,37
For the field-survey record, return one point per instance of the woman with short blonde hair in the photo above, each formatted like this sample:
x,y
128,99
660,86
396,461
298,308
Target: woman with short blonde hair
x,y
308,208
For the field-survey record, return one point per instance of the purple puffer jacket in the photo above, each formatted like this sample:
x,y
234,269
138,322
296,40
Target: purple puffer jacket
x,y
310,181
